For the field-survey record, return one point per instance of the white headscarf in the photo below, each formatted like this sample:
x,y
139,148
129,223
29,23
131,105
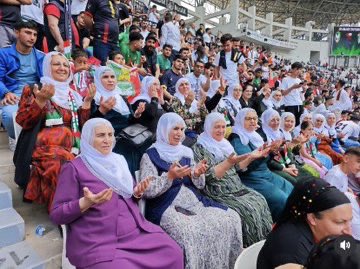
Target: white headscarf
x,y
266,117
276,103
214,86
321,129
331,129
286,134
167,152
112,168
297,129
245,135
62,89
146,83
181,97
220,149
120,105
230,97
267,102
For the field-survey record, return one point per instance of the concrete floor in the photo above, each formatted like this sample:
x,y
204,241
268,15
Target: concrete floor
x,y
49,246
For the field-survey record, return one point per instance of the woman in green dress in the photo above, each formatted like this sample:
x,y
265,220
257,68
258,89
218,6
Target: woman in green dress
x,y
223,183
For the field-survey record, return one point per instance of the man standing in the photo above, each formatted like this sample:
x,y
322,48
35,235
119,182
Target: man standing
x,y
291,87
9,15
154,16
198,81
20,64
151,65
170,34
171,76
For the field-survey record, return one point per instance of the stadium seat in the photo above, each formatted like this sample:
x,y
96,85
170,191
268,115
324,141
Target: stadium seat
x,y
248,258
141,201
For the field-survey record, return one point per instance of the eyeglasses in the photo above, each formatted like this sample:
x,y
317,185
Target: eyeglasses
x,y
251,118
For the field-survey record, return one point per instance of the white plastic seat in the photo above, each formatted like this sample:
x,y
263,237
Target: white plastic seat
x,y
248,258
65,263
141,201
17,127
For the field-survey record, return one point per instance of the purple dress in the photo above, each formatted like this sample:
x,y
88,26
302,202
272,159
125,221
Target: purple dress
x,y
110,235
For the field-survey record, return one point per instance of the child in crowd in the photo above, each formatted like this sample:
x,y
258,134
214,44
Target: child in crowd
x,y
82,77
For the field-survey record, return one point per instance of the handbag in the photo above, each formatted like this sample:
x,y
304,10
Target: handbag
x,y
136,134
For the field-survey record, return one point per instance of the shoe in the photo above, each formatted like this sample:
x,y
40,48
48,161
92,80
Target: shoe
x,y
12,144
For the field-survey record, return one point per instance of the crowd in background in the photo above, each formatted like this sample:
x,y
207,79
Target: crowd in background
x,y
221,132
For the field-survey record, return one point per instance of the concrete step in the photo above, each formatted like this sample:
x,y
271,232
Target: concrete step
x,y
12,227
4,140
20,256
5,196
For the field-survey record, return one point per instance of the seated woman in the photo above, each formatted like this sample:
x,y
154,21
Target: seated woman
x,y
286,127
323,139
232,100
313,211
330,126
303,117
309,152
193,114
277,100
257,176
224,185
209,233
152,95
55,113
281,161
246,99
105,229
110,105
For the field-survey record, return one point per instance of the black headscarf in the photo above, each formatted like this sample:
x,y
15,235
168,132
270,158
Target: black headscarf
x,y
311,195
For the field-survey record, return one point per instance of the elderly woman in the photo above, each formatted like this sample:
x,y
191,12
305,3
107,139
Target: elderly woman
x,y
232,100
191,111
323,139
330,126
209,233
313,211
109,104
257,176
224,185
281,161
106,229
152,95
53,115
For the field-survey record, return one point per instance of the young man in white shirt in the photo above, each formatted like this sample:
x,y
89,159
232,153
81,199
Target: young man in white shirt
x,y
338,176
170,34
154,16
227,61
198,81
292,88
342,98
207,37
350,131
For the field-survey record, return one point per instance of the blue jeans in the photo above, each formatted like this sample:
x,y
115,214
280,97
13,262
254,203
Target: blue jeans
x,y
102,50
7,118
349,143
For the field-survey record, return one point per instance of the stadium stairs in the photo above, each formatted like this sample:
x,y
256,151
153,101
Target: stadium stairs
x,y
20,247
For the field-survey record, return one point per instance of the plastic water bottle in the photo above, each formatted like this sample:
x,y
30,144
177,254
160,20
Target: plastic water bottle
x,y
40,230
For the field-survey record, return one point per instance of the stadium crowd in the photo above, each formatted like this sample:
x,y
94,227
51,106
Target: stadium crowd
x,y
227,143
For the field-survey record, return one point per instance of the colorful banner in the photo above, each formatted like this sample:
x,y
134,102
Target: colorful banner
x,y
346,41
123,79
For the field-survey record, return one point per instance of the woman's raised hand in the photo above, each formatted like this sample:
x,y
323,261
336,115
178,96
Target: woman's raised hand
x,y
178,171
106,105
142,186
45,93
200,168
91,199
90,95
234,159
140,109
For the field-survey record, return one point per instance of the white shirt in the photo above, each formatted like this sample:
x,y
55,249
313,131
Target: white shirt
x,y
344,102
153,18
230,74
355,222
337,178
170,34
206,38
145,33
294,97
34,11
348,128
354,183
252,55
196,83
77,6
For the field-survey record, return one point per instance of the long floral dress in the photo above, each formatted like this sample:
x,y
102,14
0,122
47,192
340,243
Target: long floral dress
x,y
229,190
210,236
52,148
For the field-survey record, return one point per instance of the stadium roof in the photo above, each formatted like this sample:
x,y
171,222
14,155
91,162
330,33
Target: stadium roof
x,y
322,12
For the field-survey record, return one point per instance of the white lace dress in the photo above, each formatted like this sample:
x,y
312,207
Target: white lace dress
x,y
210,237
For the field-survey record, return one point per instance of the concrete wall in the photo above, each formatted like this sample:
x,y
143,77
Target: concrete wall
x,y
303,51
